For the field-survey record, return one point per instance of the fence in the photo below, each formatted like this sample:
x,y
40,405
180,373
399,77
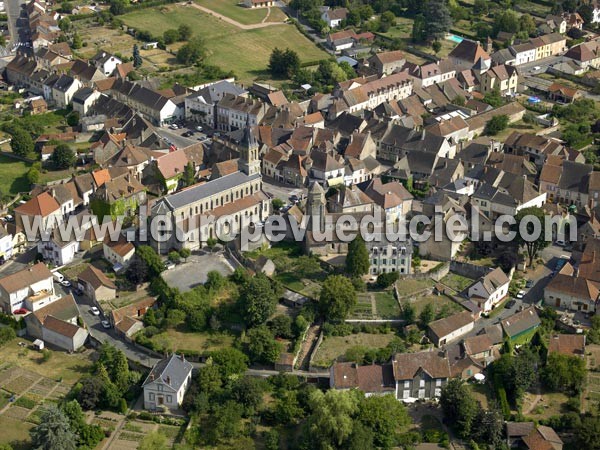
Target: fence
x,y
468,270
314,352
436,274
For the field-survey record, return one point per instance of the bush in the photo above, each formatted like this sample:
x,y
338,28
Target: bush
x,y
385,280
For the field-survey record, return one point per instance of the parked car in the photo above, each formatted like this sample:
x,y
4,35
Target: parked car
x,y
105,324
529,284
510,304
20,311
95,311
199,128
169,265
65,283
521,294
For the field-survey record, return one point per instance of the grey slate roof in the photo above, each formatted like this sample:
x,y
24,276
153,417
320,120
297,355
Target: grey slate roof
x,y
174,368
63,83
193,194
82,94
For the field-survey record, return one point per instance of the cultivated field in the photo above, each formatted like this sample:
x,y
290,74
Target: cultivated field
x,y
246,52
32,384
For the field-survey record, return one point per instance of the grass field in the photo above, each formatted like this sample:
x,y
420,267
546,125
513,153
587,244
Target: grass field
x,y
412,286
335,347
14,432
12,175
69,368
387,305
235,11
246,52
204,342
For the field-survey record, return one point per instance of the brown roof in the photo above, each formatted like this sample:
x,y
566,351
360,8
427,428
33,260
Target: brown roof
x,y
470,51
406,365
277,98
26,277
136,309
564,90
172,164
122,247
388,57
60,326
101,176
41,205
226,167
96,278
521,322
372,378
519,429
443,327
542,440
64,308
567,344
125,324
578,286
477,344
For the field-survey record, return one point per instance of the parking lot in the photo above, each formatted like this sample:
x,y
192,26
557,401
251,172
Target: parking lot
x,y
194,271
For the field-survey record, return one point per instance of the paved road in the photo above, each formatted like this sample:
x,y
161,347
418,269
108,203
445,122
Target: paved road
x,y
280,190
17,21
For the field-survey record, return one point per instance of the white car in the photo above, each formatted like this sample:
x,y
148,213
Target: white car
x,y
66,283
520,294
105,324
169,265
95,311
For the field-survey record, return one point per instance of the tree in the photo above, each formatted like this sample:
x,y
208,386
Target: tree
x,y
383,415
87,435
174,256
33,175
459,407
493,98
89,396
63,156
66,7
189,174
153,441
137,272
262,347
508,21
588,434
277,204
185,32
247,391
118,7
437,18
357,260
65,24
73,119
153,262
230,362
331,421
281,326
337,297
283,63
170,36
427,315
419,29
193,52
385,280
185,253
532,218
53,432
527,24
258,301
224,422
409,314
21,142
564,373
488,427
436,46
496,125
76,42
137,58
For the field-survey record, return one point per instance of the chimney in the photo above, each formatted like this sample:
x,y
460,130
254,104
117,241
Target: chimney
x,y
152,376
182,357
53,193
168,380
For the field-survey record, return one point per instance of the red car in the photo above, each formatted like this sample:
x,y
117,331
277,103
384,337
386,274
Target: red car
x,y
20,311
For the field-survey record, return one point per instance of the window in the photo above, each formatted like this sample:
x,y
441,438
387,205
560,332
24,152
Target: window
x,y
406,384
438,382
421,393
169,398
405,394
421,383
160,387
151,396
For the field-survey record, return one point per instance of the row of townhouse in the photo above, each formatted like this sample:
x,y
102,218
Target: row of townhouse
x,y
532,50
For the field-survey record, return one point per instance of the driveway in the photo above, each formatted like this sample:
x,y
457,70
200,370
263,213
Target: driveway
x,y
194,271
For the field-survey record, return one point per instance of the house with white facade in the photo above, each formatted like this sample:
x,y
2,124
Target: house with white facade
x,y
32,286
57,250
119,253
489,290
200,105
333,17
167,383
63,90
450,328
105,62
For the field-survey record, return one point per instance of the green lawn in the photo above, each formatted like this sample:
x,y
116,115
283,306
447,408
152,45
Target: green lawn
x,y
335,347
412,286
13,175
456,282
174,341
15,432
246,52
387,305
235,10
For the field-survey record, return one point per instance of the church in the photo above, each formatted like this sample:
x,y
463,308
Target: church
x,y
191,213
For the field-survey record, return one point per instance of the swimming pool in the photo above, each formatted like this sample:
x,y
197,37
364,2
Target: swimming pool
x,y
454,38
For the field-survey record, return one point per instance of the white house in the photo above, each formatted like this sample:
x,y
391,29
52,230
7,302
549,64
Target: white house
x,y
64,89
84,99
119,253
6,244
106,62
334,17
524,53
450,328
596,13
57,251
167,383
33,285
489,290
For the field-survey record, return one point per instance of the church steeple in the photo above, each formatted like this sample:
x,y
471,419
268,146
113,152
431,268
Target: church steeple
x,y
249,163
